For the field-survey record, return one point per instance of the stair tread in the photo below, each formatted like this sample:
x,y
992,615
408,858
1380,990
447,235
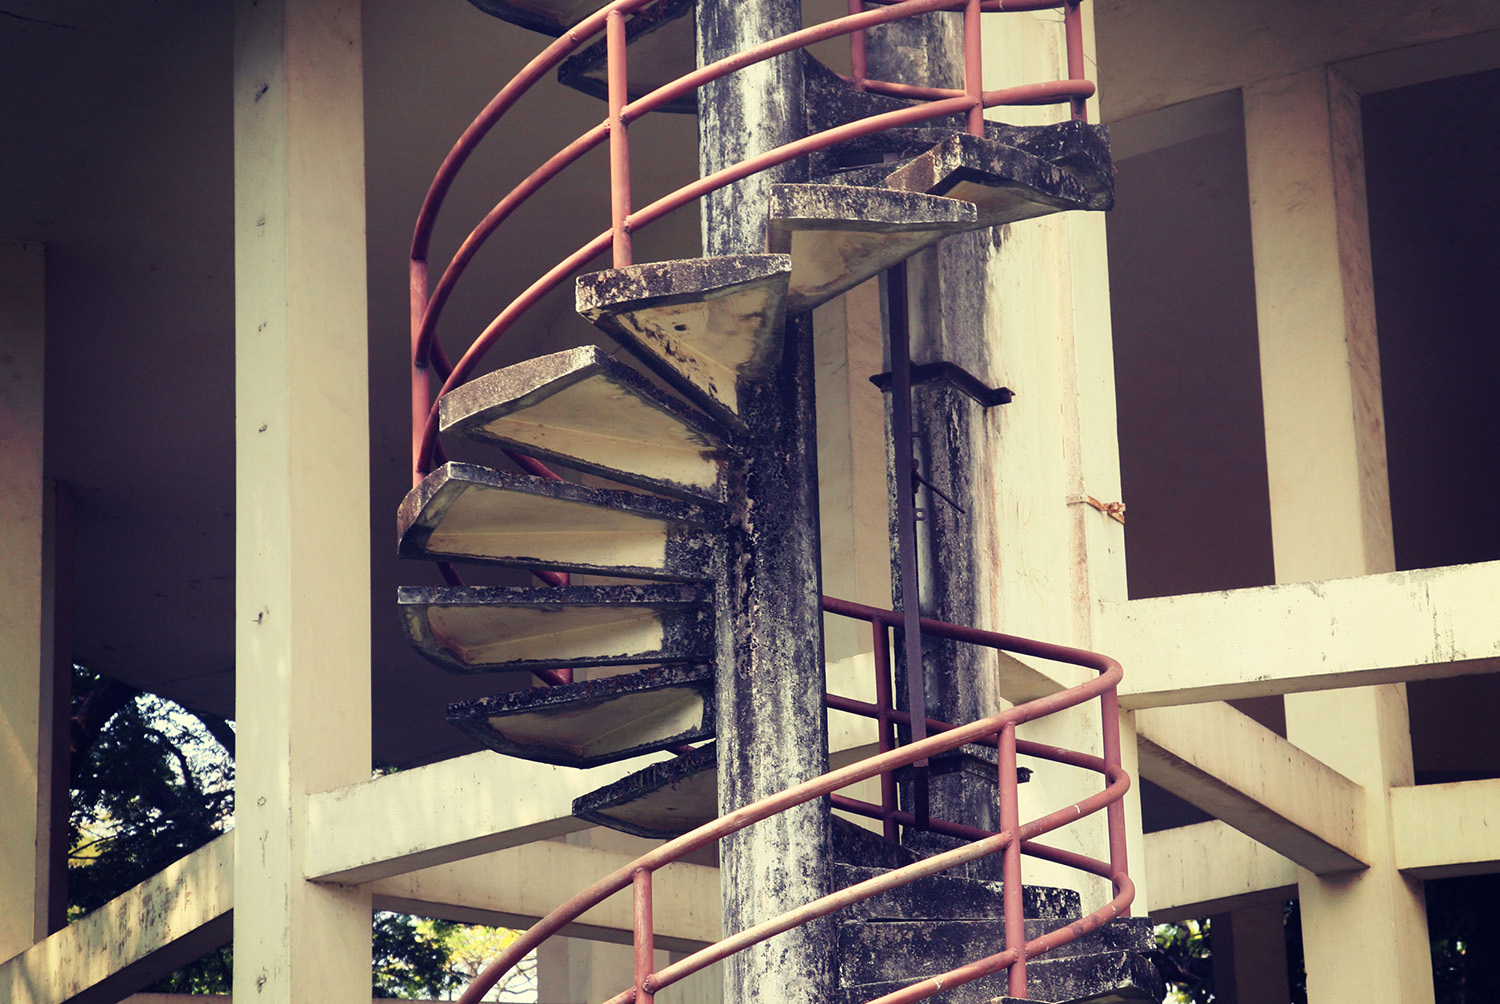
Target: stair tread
x,y
841,235
584,409
960,899
597,721
661,49
1005,182
1093,978
468,629
708,326
665,799
466,512
550,17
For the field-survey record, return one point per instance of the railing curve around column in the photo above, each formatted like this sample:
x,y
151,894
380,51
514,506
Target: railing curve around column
x,y
1014,839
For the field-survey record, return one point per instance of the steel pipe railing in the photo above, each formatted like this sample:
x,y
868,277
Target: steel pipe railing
x,y
1014,839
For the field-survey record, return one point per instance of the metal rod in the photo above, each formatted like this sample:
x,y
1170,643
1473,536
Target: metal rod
x,y
883,726
645,945
619,137
1109,709
1010,819
857,60
1073,27
974,67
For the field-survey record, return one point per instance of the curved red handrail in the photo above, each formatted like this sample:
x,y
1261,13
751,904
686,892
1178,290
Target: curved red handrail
x,y
428,301
1014,839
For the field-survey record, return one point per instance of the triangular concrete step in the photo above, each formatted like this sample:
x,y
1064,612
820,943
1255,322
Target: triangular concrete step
x,y
550,17
581,408
708,326
666,799
660,40
839,235
1108,977
598,722
470,629
469,513
950,898
1005,182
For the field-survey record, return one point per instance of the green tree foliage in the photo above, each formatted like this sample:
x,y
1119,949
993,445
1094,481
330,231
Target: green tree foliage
x,y
152,781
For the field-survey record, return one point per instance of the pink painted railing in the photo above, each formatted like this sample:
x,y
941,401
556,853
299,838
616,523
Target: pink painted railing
x,y
428,301
1014,839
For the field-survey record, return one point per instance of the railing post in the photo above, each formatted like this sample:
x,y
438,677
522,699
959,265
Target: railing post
x,y
1073,26
884,706
974,66
857,65
1114,813
645,943
619,138
1010,822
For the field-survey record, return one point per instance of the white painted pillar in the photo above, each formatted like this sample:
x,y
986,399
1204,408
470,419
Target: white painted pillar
x,y
25,634
302,619
1330,506
1249,947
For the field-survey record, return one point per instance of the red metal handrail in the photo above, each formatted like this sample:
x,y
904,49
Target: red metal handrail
x,y
1014,839
428,302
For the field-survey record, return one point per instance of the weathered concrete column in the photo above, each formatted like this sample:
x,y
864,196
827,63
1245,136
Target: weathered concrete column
x,y
25,630
1330,507
771,726
302,620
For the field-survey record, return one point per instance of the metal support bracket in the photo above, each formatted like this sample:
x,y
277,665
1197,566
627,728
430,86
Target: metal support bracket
x,y
956,376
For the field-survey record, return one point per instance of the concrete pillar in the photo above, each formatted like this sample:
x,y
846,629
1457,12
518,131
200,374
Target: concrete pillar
x,y
302,620
770,685
1330,507
25,633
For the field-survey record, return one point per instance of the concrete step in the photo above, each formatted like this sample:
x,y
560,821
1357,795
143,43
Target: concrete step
x,y
597,722
463,512
710,327
550,17
661,50
1108,977
839,235
581,408
664,800
472,629
951,898
1005,182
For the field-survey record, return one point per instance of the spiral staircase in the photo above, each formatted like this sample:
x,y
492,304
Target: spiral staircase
x,y
630,665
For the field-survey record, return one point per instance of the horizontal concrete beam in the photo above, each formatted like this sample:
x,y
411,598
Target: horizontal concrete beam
x,y
1208,868
1442,830
443,812
167,921
1304,636
1241,772
517,886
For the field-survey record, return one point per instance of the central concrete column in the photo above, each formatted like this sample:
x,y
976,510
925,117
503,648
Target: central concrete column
x,y
25,650
771,722
1330,504
302,588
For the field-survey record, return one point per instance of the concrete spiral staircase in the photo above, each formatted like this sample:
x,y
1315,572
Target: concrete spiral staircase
x,y
705,327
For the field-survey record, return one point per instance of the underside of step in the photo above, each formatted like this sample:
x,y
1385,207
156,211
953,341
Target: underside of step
x,y
581,408
839,235
469,629
1005,182
708,326
550,17
666,799
661,49
597,722
470,513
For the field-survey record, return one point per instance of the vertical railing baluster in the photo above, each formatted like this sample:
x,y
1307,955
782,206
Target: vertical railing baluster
x,y
619,140
857,62
1114,813
1010,822
645,939
883,724
974,67
1073,26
